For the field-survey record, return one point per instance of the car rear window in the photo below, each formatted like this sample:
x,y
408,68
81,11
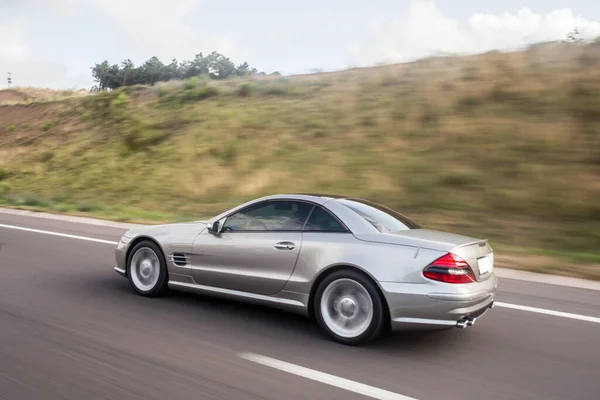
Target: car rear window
x,y
384,219
321,220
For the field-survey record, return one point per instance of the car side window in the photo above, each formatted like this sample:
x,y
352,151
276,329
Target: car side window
x,y
269,216
321,220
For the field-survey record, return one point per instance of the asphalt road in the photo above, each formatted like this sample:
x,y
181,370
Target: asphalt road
x,y
71,328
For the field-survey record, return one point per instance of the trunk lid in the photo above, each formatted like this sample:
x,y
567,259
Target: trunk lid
x,y
476,252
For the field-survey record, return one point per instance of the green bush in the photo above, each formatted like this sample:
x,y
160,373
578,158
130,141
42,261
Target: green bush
x,y
46,156
189,96
142,136
430,116
191,83
86,206
34,200
470,73
368,120
230,152
121,102
276,90
3,173
460,179
584,103
5,187
246,89
468,103
47,125
99,104
134,90
204,93
11,128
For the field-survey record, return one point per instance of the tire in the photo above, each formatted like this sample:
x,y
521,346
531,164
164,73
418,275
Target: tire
x,y
147,269
348,295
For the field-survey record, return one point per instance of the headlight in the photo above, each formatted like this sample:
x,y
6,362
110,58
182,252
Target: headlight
x,y
125,239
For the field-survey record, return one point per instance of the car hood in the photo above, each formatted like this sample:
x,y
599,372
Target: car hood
x,y
159,230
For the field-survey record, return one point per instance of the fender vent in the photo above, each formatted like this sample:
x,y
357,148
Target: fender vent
x,y
180,259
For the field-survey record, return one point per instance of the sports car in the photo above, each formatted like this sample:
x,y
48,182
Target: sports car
x,y
358,268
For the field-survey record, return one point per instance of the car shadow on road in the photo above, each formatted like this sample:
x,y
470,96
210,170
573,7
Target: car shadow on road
x,y
260,322
263,320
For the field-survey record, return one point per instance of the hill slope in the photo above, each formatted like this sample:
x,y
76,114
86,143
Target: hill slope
x,y
500,145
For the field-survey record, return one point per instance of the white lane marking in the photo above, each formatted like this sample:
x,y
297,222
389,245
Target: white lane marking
x,y
548,312
346,384
89,239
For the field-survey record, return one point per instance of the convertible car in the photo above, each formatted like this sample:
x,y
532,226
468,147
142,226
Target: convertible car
x,y
358,268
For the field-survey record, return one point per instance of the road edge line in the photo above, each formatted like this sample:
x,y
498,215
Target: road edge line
x,y
69,218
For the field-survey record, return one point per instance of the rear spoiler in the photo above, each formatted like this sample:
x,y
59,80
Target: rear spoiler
x,y
481,243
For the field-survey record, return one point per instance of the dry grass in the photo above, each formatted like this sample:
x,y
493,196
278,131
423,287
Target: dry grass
x,y
500,145
29,95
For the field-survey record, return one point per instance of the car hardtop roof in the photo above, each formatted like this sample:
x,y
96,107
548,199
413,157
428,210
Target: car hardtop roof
x,y
316,198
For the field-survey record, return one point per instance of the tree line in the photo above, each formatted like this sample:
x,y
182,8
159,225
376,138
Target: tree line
x,y
214,65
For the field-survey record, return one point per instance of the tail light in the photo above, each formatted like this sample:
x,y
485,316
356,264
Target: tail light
x,y
449,268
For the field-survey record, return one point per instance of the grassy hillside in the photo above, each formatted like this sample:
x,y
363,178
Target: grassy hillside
x,y
501,145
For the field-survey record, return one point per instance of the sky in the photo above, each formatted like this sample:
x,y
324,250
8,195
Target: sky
x,y
54,43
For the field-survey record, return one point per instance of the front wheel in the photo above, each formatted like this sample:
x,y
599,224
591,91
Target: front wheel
x,y
146,269
349,308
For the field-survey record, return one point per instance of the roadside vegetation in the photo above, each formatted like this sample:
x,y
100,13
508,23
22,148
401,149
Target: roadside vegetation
x,y
504,146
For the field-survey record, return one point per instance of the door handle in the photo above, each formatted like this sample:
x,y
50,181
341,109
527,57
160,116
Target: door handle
x,y
285,246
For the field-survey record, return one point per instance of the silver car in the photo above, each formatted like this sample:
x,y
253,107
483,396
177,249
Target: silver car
x,y
356,267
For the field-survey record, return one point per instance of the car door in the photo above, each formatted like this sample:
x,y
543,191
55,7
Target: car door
x,y
256,249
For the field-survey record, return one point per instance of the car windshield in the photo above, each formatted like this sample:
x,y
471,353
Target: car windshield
x,y
384,219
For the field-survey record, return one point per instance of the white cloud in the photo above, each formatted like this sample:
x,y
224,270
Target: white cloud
x,y
47,3
425,31
16,58
12,45
61,7
225,46
160,27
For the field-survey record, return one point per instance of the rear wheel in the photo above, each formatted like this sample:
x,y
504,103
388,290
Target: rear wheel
x,y
349,308
147,270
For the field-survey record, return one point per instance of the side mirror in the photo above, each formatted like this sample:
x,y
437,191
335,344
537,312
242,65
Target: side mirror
x,y
214,228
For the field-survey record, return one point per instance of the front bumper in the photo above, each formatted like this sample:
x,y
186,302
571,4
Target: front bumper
x,y
120,256
436,305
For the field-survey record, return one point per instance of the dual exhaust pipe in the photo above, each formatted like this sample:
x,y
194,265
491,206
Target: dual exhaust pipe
x,y
469,320
465,321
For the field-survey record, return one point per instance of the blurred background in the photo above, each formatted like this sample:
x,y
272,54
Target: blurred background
x,y
489,127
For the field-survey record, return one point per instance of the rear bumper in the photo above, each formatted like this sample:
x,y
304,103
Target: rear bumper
x,y
435,305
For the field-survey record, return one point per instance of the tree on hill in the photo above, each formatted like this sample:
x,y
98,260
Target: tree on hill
x,y
214,65
574,36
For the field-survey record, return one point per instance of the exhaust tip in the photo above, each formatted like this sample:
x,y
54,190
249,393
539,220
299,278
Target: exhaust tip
x,y
465,321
